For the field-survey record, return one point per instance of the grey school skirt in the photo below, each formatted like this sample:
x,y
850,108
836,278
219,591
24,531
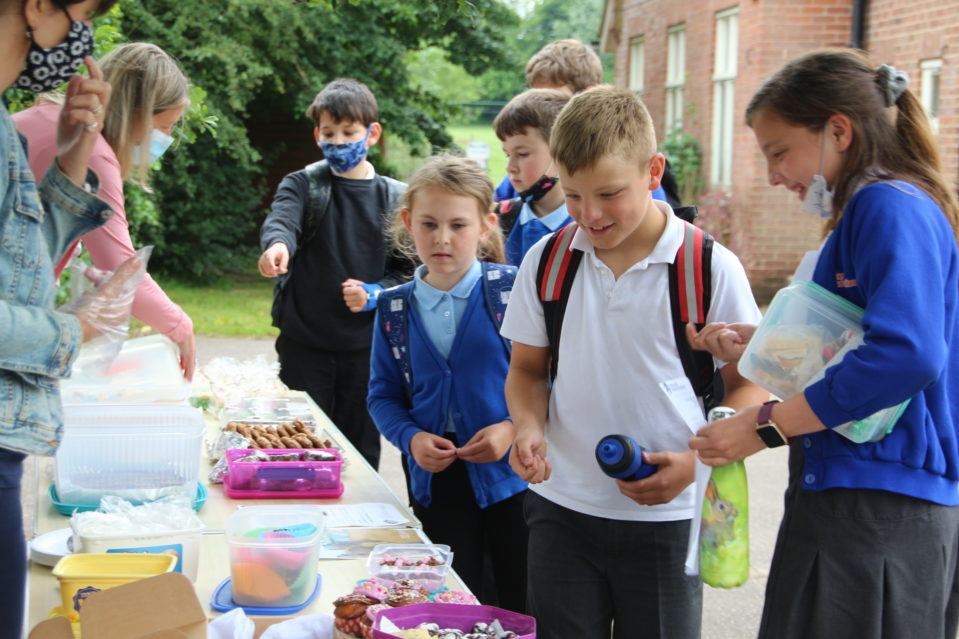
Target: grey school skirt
x,y
862,564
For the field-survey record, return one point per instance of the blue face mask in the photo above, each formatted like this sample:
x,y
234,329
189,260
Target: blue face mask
x,y
343,157
159,143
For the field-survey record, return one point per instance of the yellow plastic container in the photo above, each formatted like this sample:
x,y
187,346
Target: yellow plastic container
x,y
83,574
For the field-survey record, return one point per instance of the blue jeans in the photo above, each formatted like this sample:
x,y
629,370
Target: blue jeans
x,y
594,578
13,559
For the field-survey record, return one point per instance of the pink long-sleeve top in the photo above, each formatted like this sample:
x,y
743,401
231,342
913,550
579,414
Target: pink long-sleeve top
x,y
110,244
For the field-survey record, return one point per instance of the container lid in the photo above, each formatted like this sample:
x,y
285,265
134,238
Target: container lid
x,y
275,526
131,420
132,565
69,509
222,601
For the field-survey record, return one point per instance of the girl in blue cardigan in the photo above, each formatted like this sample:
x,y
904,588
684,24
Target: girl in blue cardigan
x,y
869,539
437,375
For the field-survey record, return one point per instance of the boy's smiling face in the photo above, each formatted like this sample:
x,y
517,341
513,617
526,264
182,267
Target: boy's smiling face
x,y
610,201
528,158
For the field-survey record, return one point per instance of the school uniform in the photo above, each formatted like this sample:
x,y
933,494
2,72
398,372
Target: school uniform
x,y
617,359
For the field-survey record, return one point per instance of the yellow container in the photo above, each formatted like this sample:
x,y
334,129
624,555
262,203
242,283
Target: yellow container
x,y
82,574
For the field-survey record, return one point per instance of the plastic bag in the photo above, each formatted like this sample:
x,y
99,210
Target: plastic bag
x,y
227,440
117,516
105,312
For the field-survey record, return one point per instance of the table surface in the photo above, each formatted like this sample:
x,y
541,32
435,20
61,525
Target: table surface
x,y
361,483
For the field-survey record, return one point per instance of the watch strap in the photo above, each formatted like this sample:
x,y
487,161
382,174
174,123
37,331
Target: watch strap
x,y
767,429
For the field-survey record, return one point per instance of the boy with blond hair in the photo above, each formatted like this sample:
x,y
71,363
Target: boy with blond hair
x,y
618,545
524,126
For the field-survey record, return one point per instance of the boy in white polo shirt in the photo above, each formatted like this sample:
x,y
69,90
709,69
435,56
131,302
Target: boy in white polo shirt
x,y
606,556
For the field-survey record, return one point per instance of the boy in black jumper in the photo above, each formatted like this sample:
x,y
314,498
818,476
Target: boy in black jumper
x,y
325,241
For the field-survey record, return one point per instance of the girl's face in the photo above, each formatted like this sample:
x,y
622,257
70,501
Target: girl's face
x,y
447,230
528,158
794,154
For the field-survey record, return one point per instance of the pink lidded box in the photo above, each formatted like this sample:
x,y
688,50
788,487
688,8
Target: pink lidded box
x,y
283,473
461,617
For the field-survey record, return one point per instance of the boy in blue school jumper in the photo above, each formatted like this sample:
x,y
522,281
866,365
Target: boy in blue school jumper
x,y
523,126
325,241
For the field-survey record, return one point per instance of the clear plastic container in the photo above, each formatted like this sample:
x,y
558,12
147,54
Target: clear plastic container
x,y
274,554
806,330
266,410
300,479
146,370
411,561
138,452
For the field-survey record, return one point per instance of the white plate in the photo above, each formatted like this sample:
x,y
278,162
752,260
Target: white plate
x,y
48,549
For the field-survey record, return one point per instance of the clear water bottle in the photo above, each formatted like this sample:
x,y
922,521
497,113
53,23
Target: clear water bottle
x,y
621,457
724,536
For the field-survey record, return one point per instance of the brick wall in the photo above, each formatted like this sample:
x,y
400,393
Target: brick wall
x,y
773,232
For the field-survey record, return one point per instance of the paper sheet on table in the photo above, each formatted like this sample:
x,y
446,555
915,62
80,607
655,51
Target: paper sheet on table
x,y
369,515
356,543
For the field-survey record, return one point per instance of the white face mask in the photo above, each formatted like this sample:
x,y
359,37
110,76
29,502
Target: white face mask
x,y
159,142
818,200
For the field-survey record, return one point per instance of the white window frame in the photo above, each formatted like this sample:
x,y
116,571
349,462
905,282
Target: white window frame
x,y
724,96
675,76
929,87
637,65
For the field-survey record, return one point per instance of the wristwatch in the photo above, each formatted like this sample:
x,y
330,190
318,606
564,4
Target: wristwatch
x,y
766,428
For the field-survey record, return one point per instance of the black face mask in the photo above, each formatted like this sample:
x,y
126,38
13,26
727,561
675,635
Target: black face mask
x,y
46,69
542,186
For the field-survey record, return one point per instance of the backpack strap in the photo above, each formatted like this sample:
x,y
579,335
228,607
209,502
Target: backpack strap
x,y
554,279
690,295
320,178
393,312
497,285
508,212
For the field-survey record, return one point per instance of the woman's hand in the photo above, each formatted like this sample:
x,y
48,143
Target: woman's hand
x,y
188,356
488,444
727,440
432,452
725,342
81,120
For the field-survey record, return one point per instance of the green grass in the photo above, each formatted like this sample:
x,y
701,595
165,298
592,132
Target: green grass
x,y
496,165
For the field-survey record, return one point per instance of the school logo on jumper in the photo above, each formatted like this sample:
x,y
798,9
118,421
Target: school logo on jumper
x,y
842,282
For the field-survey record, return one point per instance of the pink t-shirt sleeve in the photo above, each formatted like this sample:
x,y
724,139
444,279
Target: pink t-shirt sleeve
x,y
110,244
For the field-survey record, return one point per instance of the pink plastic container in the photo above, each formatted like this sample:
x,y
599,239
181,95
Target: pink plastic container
x,y
282,479
453,616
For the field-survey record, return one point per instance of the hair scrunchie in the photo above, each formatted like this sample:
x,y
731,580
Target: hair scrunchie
x,y
892,82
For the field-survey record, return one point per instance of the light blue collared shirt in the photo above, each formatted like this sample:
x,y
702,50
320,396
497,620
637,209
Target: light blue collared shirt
x,y
552,221
440,311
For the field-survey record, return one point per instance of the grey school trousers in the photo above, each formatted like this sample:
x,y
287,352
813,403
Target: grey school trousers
x,y
594,578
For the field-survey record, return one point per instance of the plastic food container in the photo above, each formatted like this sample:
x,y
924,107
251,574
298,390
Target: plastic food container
x,y
274,553
457,616
411,561
266,410
282,479
806,330
146,370
138,452
81,575
182,545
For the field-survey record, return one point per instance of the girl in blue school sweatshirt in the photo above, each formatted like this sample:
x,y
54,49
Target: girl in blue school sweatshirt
x,y
438,370
869,539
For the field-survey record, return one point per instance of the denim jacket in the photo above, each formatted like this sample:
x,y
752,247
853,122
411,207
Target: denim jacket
x,y
37,344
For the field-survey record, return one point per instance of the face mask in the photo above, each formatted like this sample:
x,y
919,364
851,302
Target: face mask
x,y
818,200
159,143
46,69
343,157
542,186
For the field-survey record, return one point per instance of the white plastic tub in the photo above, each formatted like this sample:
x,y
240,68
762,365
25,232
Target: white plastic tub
x,y
182,544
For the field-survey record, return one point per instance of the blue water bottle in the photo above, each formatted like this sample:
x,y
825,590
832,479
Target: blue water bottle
x,y
621,457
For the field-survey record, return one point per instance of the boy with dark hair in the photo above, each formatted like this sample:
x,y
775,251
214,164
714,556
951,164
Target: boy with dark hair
x,y
618,545
523,126
325,241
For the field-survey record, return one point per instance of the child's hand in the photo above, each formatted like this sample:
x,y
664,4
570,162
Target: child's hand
x,y
676,471
432,452
488,444
725,342
274,260
528,456
354,295
727,440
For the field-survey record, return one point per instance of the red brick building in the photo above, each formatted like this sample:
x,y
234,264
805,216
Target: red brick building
x,y
697,63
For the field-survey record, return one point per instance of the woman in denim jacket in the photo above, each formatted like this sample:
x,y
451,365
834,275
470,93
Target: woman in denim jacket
x,y
42,43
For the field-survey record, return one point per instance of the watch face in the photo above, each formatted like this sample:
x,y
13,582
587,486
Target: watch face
x,y
770,435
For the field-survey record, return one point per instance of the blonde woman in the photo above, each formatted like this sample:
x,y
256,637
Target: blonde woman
x,y
150,94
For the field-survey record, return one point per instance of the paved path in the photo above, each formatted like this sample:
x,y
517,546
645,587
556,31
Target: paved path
x,y
727,614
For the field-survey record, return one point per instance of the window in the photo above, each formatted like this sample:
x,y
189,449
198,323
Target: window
x,y
724,81
675,76
929,90
637,64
